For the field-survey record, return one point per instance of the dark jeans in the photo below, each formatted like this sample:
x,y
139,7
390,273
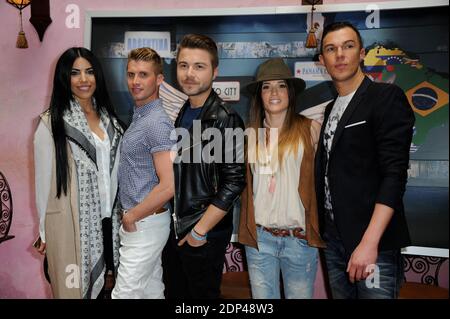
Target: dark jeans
x,y
195,272
384,283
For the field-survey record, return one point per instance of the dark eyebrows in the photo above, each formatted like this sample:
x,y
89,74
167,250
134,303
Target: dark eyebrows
x,y
88,69
195,63
345,42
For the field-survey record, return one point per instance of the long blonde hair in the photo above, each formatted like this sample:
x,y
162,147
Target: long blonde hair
x,y
295,127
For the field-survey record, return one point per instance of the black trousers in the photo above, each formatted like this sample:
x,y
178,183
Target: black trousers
x,y
195,272
108,243
107,254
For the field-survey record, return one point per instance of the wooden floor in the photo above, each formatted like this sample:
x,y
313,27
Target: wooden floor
x,y
413,290
236,285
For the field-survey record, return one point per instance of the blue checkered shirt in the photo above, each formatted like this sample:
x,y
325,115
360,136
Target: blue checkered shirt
x,y
149,132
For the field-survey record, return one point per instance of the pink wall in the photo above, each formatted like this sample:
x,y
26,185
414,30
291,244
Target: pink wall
x,y
24,93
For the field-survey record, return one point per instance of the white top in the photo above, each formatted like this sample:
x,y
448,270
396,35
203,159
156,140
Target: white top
x,y
103,149
43,158
283,208
339,107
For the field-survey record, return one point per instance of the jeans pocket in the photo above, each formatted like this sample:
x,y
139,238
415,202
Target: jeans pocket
x,y
302,242
194,252
127,232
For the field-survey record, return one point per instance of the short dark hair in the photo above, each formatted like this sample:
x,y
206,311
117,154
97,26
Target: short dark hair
x,y
338,26
148,55
200,41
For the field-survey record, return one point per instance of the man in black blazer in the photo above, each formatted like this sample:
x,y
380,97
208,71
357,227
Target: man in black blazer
x,y
361,173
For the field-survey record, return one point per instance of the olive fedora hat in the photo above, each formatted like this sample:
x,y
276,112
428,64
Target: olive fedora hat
x,y
275,69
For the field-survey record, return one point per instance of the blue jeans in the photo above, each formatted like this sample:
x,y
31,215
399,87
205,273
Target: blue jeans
x,y
384,283
296,260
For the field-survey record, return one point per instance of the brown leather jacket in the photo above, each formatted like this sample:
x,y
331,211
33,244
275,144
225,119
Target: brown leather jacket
x,y
306,190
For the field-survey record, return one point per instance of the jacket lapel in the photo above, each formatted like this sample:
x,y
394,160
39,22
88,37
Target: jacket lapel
x,y
209,112
326,115
320,146
359,94
180,114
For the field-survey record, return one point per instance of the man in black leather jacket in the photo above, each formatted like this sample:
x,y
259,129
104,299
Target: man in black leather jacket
x,y
209,176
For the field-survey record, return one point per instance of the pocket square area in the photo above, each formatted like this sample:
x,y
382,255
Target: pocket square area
x,y
355,124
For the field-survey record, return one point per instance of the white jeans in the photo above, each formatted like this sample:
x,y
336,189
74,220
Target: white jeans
x,y
140,271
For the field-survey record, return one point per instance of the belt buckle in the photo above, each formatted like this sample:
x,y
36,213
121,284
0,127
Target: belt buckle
x,y
300,233
284,232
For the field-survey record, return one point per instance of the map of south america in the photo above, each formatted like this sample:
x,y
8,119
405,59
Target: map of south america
x,y
426,90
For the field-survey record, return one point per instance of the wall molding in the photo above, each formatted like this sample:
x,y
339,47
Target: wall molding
x,y
186,12
425,251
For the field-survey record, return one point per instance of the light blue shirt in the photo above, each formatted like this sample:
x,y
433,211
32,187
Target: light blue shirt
x,y
149,133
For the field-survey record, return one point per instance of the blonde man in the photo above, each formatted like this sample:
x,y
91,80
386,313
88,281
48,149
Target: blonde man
x,y
145,182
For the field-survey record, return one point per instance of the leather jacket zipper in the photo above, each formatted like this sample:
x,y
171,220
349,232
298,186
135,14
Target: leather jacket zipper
x,y
215,179
175,221
174,215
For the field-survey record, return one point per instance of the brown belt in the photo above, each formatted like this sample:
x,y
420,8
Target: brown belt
x,y
281,232
158,211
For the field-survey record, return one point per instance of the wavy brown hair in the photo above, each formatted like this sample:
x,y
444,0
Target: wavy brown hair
x,y
200,41
295,127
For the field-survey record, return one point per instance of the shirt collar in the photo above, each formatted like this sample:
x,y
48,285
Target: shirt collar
x,y
146,109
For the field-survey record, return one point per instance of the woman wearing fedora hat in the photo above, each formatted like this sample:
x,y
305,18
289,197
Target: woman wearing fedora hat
x,y
279,222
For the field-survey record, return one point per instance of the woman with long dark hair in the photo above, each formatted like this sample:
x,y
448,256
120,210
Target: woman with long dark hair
x,y
76,158
279,223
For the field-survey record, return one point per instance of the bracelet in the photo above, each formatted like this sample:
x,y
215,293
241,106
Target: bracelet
x,y
197,236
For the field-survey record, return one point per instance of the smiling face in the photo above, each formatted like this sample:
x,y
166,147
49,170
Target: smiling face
x,y
143,82
342,55
82,80
275,96
195,74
